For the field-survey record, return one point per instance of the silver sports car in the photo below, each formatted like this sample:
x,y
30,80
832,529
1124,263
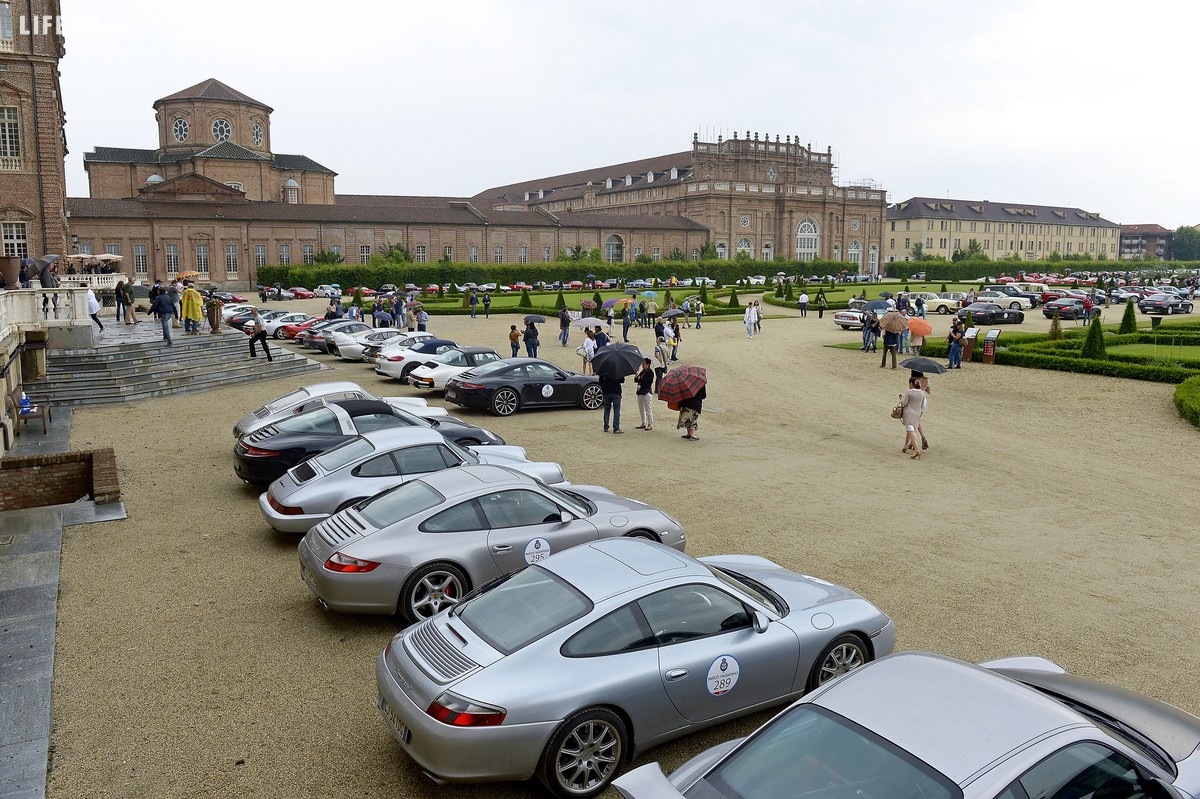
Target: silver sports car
x,y
317,395
921,726
568,668
418,548
376,461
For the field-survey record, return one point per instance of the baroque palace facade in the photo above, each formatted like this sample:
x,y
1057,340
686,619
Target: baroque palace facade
x,y
214,198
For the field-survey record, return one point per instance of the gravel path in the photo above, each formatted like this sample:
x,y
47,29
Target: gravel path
x,y
1051,516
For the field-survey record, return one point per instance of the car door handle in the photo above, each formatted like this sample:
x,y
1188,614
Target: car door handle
x,y
502,548
676,674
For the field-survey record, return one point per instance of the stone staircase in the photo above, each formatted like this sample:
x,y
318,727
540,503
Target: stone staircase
x,y
123,367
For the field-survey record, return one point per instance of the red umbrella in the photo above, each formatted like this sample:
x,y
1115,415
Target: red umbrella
x,y
681,383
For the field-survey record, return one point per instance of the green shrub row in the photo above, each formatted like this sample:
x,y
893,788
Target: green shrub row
x,y
958,271
1187,399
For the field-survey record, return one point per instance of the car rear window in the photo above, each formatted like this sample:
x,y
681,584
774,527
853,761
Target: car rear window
x,y
320,420
353,450
400,503
527,606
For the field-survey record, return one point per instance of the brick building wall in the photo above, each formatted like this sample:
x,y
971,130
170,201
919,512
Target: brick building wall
x,y
39,480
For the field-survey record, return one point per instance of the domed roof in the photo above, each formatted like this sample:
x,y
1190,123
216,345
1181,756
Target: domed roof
x,y
291,184
212,89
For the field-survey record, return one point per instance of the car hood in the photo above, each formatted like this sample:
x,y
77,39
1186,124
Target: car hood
x,y
424,411
800,591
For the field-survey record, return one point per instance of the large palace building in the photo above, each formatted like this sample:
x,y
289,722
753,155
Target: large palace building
x,y
213,197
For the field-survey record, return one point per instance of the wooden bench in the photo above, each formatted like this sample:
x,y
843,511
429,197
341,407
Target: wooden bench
x,y
39,409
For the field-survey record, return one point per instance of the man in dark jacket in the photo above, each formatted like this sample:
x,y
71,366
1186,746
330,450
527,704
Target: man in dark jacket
x,y
165,309
611,388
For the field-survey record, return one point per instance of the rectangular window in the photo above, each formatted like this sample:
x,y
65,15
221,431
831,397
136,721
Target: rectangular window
x,y
523,255
16,245
285,254
448,252
231,262
310,255
958,226
474,254
546,254
907,225
658,253
172,260
421,254
260,255
637,251
10,140
929,242
498,253
336,249
942,243
112,249
908,244
893,227
202,260
6,28
945,225
695,253
140,261
891,244
364,253
233,184
85,248
987,227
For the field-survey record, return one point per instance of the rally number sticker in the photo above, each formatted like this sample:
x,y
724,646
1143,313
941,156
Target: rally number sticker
x,y
723,675
537,550
547,391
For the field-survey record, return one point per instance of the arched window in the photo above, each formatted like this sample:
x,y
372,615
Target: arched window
x,y
721,254
854,253
744,246
614,250
807,241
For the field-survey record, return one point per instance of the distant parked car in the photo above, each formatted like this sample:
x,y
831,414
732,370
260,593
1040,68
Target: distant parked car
x,y
504,387
1164,304
1068,308
989,313
301,293
312,396
1014,301
326,290
276,325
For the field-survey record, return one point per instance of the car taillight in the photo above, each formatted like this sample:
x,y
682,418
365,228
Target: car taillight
x,y
256,452
395,358
279,507
471,386
347,565
456,711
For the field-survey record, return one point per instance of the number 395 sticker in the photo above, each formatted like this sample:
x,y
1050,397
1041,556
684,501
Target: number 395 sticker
x,y
723,675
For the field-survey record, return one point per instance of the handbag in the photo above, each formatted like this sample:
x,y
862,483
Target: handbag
x,y
898,411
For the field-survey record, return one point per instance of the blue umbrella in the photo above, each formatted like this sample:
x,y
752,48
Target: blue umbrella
x,y
650,294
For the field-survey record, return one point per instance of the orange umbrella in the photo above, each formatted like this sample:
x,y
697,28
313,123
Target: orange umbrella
x,y
919,327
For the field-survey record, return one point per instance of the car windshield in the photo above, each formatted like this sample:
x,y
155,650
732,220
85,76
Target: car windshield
x,y
469,458
319,420
288,400
575,502
339,456
399,503
755,590
526,607
807,749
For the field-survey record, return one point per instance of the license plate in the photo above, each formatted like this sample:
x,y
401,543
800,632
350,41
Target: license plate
x,y
393,721
451,393
306,575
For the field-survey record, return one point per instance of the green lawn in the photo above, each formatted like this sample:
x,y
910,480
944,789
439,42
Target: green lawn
x,y
1164,350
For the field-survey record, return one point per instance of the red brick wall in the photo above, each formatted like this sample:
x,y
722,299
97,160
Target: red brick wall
x,y
39,480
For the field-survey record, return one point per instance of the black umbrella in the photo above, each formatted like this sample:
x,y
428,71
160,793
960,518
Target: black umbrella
x,y
538,318
922,364
634,292
887,295
876,305
617,360
671,314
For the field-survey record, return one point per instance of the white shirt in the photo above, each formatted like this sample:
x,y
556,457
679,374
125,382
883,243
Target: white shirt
x,y
803,298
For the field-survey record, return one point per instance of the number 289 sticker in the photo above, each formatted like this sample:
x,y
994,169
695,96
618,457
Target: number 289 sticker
x,y
723,675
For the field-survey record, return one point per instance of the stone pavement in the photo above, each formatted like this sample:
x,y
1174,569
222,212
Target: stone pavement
x,y
30,549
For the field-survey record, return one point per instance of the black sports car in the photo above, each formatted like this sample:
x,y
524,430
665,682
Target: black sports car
x,y
504,387
1164,304
989,313
264,455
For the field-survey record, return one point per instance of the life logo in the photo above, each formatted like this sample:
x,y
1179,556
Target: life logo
x,y
537,550
723,675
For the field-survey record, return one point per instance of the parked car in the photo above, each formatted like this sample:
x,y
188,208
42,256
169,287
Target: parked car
x,y
1068,308
239,320
351,347
363,466
318,338
433,373
275,325
301,293
264,455
850,317
405,339
277,293
1164,304
327,290
989,313
398,360
1034,298
231,309
309,397
299,333
422,546
955,296
388,288
504,387
935,303
1016,302
225,296
916,725
634,644
638,284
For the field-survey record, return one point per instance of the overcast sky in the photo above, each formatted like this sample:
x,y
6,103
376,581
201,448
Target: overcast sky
x,y
1075,103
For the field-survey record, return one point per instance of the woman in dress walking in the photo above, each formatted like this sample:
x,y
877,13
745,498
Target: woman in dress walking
x,y
912,403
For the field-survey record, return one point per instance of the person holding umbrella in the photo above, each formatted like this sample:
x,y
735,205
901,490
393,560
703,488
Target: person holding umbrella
x,y
684,387
612,365
531,340
892,323
822,303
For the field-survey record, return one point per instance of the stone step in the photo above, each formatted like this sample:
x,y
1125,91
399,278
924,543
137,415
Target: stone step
x,y
132,367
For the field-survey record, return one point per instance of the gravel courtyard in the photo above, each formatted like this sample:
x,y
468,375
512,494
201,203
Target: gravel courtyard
x,y
1053,515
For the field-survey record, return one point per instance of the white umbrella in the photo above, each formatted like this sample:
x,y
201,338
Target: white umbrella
x,y
106,256
588,321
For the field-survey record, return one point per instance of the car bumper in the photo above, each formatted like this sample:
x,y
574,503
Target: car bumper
x,y
260,471
301,523
456,754
422,382
375,592
467,399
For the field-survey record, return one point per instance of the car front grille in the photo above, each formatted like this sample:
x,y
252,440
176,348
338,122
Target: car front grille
x,y
437,656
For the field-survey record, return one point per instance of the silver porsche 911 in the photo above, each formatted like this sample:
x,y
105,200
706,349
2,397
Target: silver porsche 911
x,y
320,394
566,669
376,461
419,547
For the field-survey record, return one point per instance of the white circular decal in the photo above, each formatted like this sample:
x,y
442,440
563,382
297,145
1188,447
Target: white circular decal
x,y
537,550
723,675
547,391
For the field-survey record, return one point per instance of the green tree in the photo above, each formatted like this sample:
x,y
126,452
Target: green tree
x,y
733,299
596,298
358,297
668,299
328,257
525,301
1093,345
1056,331
676,255
398,254
704,292
576,253
595,256
788,293
1129,320
708,252
1185,244
779,291
918,252
560,301
643,259
975,251
944,287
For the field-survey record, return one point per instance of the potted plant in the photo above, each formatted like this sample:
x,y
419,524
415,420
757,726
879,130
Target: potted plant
x,y
212,309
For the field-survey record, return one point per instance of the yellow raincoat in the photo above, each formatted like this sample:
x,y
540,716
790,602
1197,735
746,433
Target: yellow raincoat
x,y
193,304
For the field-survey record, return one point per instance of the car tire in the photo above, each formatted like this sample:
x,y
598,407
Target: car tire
x,y
584,754
430,589
406,370
943,309
278,334
593,397
844,653
505,402
1014,306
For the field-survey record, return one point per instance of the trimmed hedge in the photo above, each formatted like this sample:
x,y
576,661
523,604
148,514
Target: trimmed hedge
x,y
1187,399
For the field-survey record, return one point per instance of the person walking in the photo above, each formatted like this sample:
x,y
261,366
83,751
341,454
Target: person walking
x,y
531,340
610,387
589,350
758,315
822,303
676,338
903,348
689,415
130,316
802,304
473,300
422,319
626,322
487,306
912,403
891,340
645,394
93,307
687,313
651,312
698,307
514,340
955,340
564,326
749,319
175,292
165,310
192,304
119,295
662,356
923,383
258,334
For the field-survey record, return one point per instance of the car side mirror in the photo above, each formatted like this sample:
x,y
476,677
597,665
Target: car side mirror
x,y
566,517
760,622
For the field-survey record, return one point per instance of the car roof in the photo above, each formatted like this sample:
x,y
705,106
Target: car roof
x,y
474,350
467,479
361,407
955,716
317,389
612,566
395,437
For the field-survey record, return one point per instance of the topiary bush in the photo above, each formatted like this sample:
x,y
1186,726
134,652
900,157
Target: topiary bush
x,y
1187,400
560,301
1056,331
1093,345
525,301
1129,320
733,299
704,292
788,294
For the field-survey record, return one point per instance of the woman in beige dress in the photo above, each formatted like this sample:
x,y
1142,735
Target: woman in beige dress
x,y
912,401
